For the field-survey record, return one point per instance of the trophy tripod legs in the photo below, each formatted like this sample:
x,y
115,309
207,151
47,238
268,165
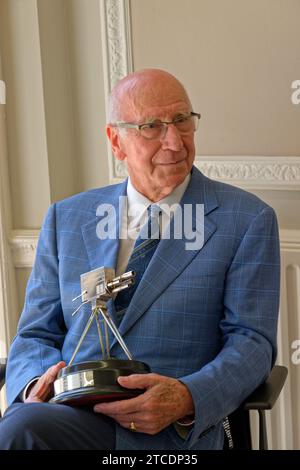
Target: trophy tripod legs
x,y
100,336
85,331
103,310
96,309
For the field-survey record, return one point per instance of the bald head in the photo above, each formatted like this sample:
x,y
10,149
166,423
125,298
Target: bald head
x,y
144,89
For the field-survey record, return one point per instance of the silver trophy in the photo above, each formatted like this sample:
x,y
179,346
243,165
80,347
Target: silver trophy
x,y
91,382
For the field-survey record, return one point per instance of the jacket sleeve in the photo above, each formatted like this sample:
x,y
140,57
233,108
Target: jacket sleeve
x,y
41,329
248,327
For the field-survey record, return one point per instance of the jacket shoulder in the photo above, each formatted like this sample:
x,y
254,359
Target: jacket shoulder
x,y
230,196
87,200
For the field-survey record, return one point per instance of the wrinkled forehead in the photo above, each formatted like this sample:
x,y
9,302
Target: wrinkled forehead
x,y
140,99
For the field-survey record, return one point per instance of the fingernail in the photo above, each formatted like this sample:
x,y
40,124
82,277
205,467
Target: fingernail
x,y
122,378
98,407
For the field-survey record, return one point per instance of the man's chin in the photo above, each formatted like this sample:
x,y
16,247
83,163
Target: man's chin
x,y
173,179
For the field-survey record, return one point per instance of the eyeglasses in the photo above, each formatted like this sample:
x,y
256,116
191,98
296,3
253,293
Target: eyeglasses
x,y
157,129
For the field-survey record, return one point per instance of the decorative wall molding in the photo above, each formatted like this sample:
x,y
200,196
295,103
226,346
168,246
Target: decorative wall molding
x,y
290,240
249,172
2,92
253,172
117,49
23,245
116,52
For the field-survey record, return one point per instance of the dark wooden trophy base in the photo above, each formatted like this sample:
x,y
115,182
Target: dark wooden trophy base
x,y
93,382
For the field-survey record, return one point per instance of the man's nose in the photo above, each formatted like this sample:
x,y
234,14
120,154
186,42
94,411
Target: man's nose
x,y
172,139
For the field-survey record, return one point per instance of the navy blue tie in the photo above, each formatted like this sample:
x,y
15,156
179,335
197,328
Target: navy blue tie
x,y
144,248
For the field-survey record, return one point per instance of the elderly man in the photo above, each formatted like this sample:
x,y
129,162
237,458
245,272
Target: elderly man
x,y
203,317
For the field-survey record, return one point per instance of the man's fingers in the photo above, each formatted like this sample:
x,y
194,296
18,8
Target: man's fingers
x,y
43,387
120,407
132,405
154,409
142,381
51,374
141,423
49,377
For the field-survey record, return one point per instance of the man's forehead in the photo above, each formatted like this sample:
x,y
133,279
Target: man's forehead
x,y
163,112
158,94
143,107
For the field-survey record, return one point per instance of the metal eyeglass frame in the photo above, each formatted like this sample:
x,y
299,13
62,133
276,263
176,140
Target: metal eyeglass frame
x,y
139,127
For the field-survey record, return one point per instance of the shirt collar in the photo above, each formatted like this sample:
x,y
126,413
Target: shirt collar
x,y
138,203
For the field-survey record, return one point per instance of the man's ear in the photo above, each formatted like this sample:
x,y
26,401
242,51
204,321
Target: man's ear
x,y
115,142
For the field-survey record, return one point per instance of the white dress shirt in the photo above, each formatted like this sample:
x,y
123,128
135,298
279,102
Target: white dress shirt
x,y
135,218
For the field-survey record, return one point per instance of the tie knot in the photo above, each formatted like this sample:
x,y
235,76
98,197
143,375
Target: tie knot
x,y
153,210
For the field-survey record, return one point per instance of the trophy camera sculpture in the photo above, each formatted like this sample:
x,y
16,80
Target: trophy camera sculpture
x,y
95,381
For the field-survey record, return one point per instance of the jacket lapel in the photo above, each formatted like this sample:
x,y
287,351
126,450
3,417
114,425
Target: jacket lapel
x,y
171,256
104,252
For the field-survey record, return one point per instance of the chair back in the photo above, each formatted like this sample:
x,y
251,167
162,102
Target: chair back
x,y
239,423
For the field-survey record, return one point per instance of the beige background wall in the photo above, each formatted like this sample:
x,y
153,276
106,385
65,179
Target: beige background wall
x,y
52,64
237,58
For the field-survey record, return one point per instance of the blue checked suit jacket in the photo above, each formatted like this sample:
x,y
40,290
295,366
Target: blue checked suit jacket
x,y
206,316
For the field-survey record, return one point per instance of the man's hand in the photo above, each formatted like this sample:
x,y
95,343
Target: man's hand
x,y
42,390
165,401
